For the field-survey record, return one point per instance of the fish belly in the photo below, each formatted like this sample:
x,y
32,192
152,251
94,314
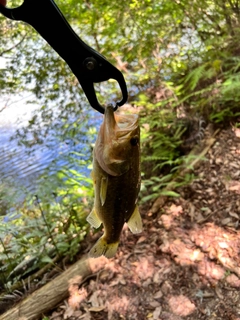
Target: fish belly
x,y
114,204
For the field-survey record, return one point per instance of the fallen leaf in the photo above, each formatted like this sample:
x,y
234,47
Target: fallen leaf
x,y
234,185
156,313
158,295
175,210
154,304
68,313
181,305
141,239
233,281
167,221
237,132
96,309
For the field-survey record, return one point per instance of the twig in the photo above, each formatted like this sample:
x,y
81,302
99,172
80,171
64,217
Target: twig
x,y
13,47
44,219
45,298
20,284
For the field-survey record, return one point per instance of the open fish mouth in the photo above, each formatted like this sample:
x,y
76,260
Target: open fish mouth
x,y
118,135
119,125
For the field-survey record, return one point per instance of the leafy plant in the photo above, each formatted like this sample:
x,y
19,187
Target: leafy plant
x,y
180,58
48,224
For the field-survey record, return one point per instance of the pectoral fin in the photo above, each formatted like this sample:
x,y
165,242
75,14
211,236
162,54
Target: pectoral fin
x,y
93,219
103,189
135,221
93,176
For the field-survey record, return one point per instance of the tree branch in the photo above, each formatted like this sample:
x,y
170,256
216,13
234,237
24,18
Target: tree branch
x,y
234,7
228,20
47,297
13,47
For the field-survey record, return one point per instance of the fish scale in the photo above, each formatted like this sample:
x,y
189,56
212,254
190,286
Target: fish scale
x,y
116,176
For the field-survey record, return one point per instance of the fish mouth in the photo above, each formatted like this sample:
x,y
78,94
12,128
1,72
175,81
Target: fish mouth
x,y
119,125
118,135
109,123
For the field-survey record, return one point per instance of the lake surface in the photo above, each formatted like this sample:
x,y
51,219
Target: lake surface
x,y
20,166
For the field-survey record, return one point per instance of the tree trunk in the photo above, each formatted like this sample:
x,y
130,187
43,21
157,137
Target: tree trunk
x,y
46,298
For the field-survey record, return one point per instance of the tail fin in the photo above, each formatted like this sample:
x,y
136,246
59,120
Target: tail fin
x,y
103,248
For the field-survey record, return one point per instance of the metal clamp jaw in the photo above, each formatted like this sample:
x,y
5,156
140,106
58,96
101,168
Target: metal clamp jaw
x,y
88,65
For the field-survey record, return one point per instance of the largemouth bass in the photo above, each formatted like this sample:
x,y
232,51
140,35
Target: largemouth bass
x,y
116,177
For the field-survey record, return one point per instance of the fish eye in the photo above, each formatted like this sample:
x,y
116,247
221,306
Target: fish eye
x,y
134,141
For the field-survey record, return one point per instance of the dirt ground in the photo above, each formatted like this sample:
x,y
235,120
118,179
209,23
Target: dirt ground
x,y
186,262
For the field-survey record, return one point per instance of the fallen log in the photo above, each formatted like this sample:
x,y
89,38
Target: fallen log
x,y
47,297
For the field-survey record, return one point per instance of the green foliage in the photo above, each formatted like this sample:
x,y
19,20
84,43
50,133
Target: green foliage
x,y
207,84
212,88
186,42
51,222
178,57
162,137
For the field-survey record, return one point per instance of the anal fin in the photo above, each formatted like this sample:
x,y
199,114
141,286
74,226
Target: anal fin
x,y
135,221
93,219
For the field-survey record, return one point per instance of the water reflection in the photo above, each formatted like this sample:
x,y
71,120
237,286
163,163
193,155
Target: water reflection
x,y
21,166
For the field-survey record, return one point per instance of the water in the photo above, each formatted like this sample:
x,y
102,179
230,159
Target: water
x,y
20,166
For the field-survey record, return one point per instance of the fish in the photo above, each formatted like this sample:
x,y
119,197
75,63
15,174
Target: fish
x,y
117,179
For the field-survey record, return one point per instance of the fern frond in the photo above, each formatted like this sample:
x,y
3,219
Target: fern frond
x,y
193,78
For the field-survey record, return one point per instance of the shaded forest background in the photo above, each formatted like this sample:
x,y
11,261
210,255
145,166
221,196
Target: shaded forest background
x,y
181,63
